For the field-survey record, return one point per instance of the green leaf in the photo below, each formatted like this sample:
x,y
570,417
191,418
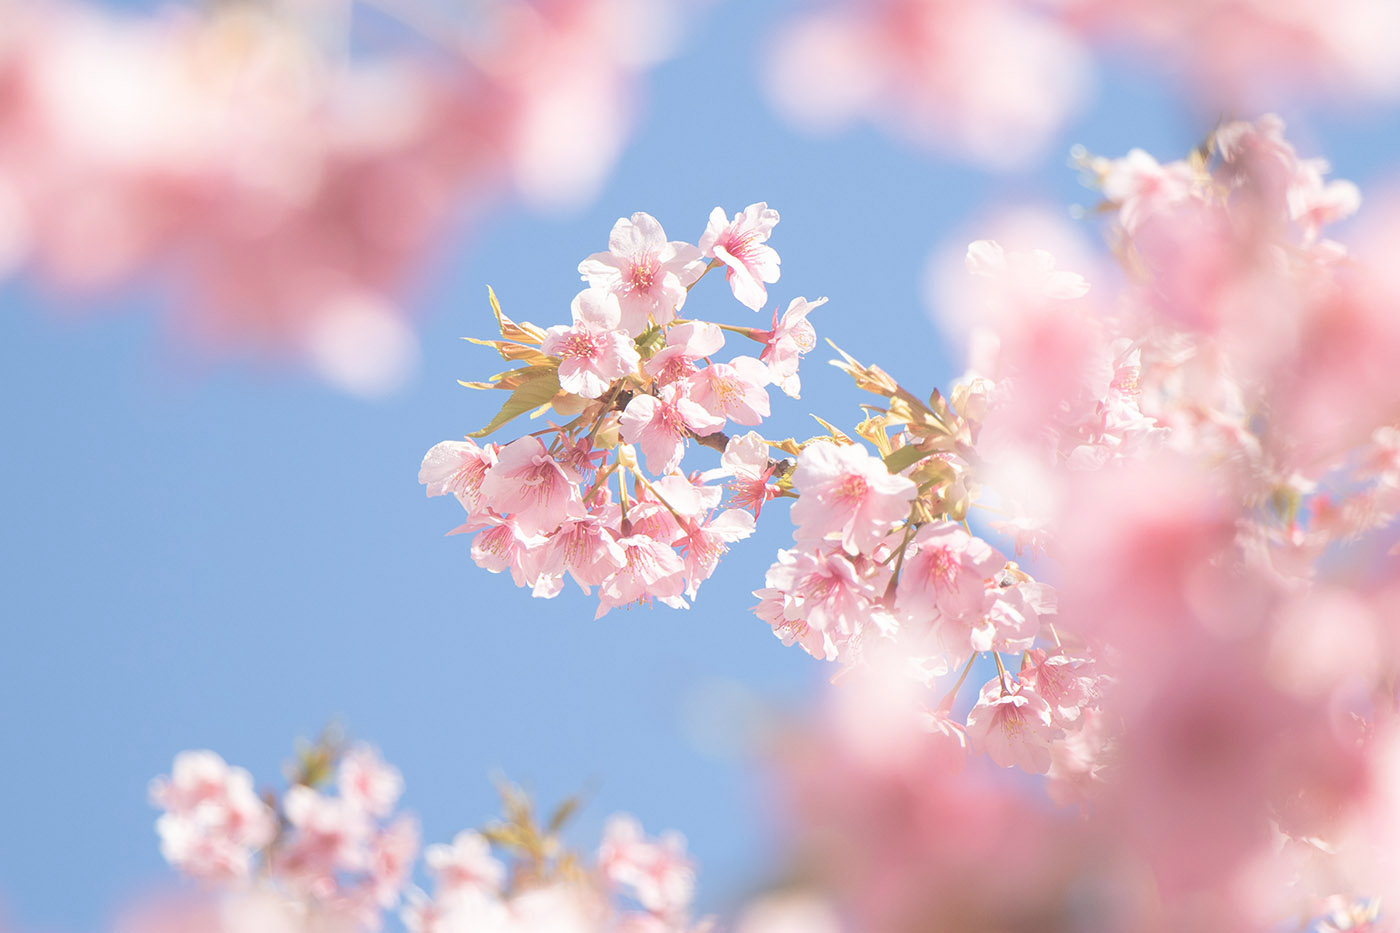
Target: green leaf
x,y
533,388
903,458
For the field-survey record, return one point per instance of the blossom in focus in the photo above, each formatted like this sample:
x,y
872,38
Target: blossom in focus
x,y
532,485
742,246
847,495
1013,726
457,467
733,391
791,338
659,425
593,352
647,274
945,576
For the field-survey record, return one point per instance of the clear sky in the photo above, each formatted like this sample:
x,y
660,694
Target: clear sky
x,y
229,557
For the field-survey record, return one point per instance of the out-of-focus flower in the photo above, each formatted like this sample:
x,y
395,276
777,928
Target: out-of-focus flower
x,y
290,192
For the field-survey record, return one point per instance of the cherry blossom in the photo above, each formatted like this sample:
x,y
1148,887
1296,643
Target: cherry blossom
x,y
733,391
288,190
592,353
457,467
1193,452
742,246
367,781
584,547
1013,726
660,425
705,543
467,863
848,496
335,868
945,576
685,345
529,483
990,81
213,821
791,338
1141,187
657,874
832,593
647,274
652,570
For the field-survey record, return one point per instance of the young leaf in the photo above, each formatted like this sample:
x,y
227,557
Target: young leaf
x,y
532,388
903,458
520,333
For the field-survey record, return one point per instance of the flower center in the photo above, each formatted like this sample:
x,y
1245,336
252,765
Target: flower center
x,y
943,568
852,490
644,270
580,346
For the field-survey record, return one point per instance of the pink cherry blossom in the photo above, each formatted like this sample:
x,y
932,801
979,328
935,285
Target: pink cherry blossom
x,y
791,338
1313,203
647,274
989,81
457,467
649,517
782,614
1016,284
1081,759
944,580
657,874
653,571
501,544
832,593
289,189
1062,680
742,245
531,485
847,495
1141,187
593,352
685,344
745,458
585,548
392,854
732,390
1014,615
704,543
465,864
329,835
660,425
365,780
1013,726
213,822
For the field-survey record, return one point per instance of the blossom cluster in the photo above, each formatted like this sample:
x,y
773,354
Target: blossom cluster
x,y
1203,469
332,855
637,384
333,845
1206,459
995,81
287,187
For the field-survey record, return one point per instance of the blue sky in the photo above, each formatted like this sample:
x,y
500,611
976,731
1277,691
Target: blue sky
x,y
229,557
